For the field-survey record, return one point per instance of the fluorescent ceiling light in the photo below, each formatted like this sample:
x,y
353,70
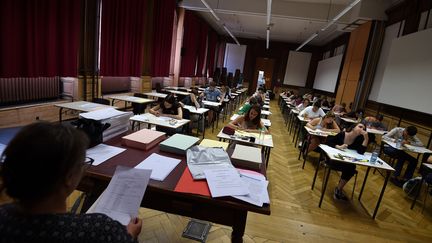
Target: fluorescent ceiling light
x,y
232,36
307,41
211,10
269,3
330,23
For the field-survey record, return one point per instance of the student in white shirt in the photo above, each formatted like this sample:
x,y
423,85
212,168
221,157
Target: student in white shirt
x,y
313,111
304,104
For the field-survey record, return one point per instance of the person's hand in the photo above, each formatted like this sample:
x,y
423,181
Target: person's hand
x,y
405,142
342,147
134,227
364,133
157,113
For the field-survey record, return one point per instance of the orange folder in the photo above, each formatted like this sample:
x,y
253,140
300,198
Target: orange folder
x,y
187,184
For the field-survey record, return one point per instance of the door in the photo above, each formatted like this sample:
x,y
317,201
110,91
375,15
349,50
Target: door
x,y
263,73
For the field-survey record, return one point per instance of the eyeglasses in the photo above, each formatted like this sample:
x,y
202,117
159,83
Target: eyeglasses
x,y
88,161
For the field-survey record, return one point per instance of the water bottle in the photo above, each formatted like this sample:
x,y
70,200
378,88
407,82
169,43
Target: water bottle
x,y
374,156
261,137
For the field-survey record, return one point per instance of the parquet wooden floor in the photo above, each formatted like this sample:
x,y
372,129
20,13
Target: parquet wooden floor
x,y
295,216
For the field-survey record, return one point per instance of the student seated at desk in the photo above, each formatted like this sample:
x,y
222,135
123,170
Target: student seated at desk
x,y
325,123
245,108
169,107
356,138
213,94
374,122
339,109
313,111
304,104
250,122
42,166
193,99
406,136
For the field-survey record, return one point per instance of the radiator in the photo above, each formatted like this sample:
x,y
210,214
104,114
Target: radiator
x,y
21,90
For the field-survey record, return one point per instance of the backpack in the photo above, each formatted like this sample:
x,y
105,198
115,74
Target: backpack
x,y
94,129
412,186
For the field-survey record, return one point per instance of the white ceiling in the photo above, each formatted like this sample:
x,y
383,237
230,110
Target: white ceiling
x,y
293,20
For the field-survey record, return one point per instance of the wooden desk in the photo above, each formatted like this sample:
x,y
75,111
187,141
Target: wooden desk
x,y
201,115
128,98
80,106
380,164
160,195
307,139
266,144
151,119
155,95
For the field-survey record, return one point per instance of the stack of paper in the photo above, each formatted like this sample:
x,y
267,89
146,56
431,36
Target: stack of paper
x,y
247,157
178,144
225,182
257,184
209,143
122,198
103,152
119,121
161,166
144,139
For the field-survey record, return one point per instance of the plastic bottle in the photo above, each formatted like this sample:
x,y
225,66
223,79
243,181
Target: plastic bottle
x,y
261,137
374,156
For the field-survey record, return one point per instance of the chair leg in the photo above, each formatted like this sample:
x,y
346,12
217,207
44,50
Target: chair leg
x,y
354,186
426,195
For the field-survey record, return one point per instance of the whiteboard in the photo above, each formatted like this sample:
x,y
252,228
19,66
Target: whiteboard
x,y
234,57
327,73
297,68
407,80
391,33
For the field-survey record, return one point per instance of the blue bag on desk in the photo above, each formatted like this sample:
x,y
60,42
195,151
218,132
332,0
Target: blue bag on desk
x,y
94,129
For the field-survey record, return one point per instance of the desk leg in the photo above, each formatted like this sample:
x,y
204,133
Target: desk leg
x,y
381,194
325,186
364,183
60,114
238,227
268,156
316,170
418,193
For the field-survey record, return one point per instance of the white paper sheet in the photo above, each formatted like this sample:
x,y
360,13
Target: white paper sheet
x,y
102,114
161,166
123,196
258,194
225,182
103,152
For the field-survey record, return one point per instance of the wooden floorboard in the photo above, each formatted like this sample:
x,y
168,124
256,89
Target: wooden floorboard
x,y
295,216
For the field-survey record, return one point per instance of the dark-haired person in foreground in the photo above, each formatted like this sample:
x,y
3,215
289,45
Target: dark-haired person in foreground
x,y
355,138
406,136
41,167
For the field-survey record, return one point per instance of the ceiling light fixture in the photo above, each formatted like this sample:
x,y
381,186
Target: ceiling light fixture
x,y
211,10
269,3
218,19
330,23
232,36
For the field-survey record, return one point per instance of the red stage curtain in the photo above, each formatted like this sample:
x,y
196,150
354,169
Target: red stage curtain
x,y
211,52
162,36
191,29
122,37
202,47
39,37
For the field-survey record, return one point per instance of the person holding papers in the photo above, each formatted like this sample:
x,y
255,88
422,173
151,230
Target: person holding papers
x,y
169,107
402,136
313,111
250,122
42,166
356,138
327,124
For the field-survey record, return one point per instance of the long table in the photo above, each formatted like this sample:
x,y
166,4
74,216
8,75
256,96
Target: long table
x,y
160,195
80,106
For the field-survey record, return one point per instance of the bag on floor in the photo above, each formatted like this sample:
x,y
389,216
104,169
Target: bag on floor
x,y
412,186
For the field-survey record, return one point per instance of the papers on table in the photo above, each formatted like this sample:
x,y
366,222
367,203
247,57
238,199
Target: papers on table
x,y
200,159
164,118
2,148
417,149
161,166
123,196
225,182
257,185
102,114
103,152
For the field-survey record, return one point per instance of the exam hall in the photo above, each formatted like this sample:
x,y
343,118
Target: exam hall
x,y
118,119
